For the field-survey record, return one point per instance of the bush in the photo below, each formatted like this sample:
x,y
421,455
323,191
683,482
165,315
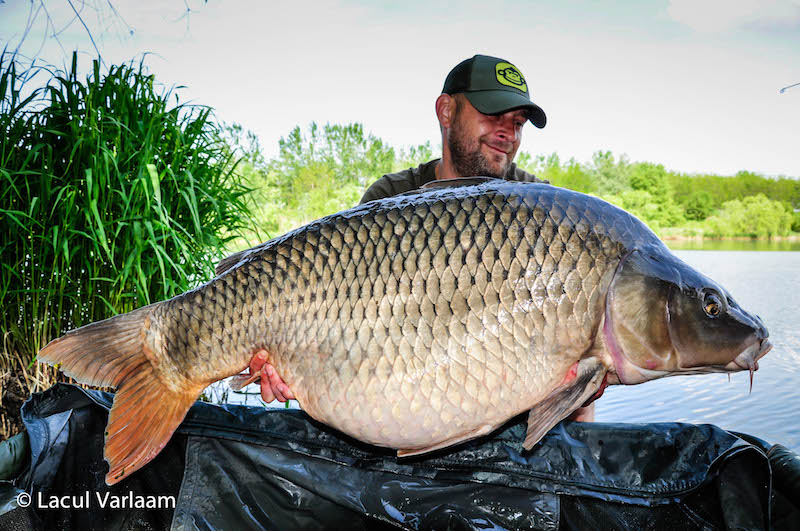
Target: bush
x,y
753,216
647,208
112,197
699,205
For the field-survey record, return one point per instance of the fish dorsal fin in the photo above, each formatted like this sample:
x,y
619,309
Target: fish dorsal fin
x,y
564,400
460,181
440,184
228,262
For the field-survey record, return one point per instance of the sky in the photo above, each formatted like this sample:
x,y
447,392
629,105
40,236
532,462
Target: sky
x,y
690,84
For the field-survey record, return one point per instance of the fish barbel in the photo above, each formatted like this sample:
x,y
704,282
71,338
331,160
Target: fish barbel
x,y
422,320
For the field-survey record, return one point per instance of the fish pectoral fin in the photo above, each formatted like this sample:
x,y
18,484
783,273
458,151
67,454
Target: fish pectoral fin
x,y
564,400
479,432
242,380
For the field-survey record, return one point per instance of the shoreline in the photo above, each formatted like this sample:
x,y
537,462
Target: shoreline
x,y
700,238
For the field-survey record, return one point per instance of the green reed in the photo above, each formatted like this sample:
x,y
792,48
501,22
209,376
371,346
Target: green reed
x,y
113,195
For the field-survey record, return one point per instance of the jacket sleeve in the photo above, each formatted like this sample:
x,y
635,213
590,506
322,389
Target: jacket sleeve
x,y
388,186
377,190
522,175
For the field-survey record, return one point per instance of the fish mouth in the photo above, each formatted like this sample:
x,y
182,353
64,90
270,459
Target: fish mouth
x,y
747,360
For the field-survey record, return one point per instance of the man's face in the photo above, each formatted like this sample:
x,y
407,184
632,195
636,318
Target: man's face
x,y
482,144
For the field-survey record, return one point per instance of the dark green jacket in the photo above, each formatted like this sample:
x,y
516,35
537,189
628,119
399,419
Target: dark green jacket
x,y
412,178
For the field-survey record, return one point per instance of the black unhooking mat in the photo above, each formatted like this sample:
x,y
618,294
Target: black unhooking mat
x,y
237,467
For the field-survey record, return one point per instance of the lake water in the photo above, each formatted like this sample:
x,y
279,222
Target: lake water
x,y
764,283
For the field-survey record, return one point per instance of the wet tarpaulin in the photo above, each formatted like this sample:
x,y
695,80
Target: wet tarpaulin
x,y
239,467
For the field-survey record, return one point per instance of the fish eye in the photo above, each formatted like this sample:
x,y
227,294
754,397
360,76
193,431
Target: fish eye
x,y
712,305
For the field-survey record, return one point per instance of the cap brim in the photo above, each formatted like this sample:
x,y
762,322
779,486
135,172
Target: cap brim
x,y
500,101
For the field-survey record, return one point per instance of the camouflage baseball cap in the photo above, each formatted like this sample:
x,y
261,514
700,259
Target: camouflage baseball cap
x,y
493,86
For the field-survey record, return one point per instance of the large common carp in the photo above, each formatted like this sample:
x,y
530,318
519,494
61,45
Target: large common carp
x,y
423,320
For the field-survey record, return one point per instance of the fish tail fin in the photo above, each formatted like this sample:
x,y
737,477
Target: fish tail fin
x,y
142,420
145,412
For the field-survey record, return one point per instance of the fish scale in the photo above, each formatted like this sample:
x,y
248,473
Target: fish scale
x,y
522,329
418,321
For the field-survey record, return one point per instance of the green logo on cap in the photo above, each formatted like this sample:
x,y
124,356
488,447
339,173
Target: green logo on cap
x,y
507,74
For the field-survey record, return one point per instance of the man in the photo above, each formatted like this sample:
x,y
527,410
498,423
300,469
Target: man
x,y
482,109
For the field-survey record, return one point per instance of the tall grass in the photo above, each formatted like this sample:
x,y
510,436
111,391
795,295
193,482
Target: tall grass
x,y
113,194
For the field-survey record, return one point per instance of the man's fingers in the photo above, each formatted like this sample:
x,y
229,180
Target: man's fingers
x,y
285,391
583,414
271,380
258,361
266,391
279,387
272,385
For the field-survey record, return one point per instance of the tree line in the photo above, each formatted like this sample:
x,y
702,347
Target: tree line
x,y
323,169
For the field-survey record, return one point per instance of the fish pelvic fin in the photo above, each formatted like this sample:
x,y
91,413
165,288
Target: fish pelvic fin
x,y
564,400
145,412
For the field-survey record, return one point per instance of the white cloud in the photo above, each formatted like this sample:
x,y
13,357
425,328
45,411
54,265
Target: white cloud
x,y
716,16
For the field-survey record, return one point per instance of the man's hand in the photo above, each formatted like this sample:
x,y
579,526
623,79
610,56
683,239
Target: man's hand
x,y
272,385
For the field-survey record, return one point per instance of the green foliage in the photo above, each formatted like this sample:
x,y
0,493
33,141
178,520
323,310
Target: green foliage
x,y
323,171
656,214
610,177
345,151
112,197
722,189
253,170
699,205
660,209
651,178
753,216
572,175
664,199
411,158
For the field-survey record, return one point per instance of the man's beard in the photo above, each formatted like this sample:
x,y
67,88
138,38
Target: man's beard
x,y
468,159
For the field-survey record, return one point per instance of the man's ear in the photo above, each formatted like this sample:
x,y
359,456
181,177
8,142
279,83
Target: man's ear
x,y
445,110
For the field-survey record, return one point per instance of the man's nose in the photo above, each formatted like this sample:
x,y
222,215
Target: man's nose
x,y
508,129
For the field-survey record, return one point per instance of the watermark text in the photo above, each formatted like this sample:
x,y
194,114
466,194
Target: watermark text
x,y
102,500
